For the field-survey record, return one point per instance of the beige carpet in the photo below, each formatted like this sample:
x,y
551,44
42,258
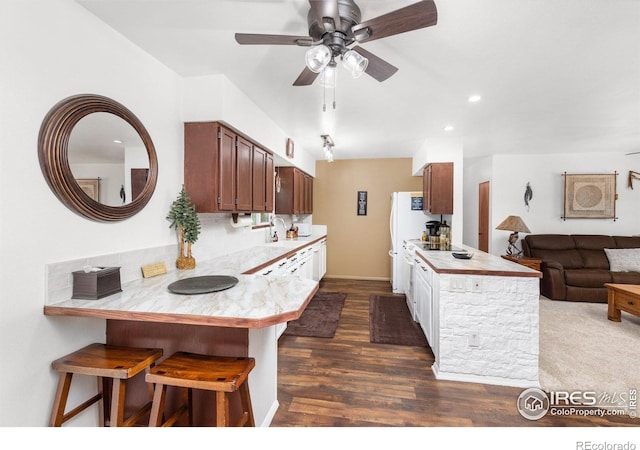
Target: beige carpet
x,y
580,349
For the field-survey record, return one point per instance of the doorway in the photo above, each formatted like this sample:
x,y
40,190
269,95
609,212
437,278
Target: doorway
x,y
483,216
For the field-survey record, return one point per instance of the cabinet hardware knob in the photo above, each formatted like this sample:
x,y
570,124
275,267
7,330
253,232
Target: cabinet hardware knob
x,y
630,303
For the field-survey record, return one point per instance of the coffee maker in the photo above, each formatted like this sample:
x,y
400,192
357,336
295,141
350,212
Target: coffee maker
x,y
433,227
433,234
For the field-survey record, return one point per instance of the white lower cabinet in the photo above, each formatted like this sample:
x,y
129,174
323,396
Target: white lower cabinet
x,y
300,264
424,298
319,251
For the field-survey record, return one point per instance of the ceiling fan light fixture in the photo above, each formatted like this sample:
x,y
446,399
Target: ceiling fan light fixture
x,y
328,77
327,147
355,63
317,58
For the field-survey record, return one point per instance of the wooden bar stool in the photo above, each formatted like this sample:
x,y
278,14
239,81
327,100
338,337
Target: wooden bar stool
x,y
211,373
104,362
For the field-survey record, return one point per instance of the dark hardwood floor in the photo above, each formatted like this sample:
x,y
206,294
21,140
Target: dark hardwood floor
x,y
347,381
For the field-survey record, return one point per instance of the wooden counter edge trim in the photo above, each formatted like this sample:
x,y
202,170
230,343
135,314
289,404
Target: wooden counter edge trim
x,y
490,273
186,319
283,256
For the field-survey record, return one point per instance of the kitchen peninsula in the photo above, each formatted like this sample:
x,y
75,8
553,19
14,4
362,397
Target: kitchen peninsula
x,y
480,316
241,321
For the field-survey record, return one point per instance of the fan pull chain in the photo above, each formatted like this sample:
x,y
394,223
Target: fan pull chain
x,y
324,99
334,96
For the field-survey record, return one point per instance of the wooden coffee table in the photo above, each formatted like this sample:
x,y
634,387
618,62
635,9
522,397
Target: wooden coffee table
x,y
623,297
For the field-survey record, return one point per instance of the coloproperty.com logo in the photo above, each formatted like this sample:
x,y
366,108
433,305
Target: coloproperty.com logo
x,y
534,403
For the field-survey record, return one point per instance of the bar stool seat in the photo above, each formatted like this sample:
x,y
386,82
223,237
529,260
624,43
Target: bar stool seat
x,y
189,371
105,362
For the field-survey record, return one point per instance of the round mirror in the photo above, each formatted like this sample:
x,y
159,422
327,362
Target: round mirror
x,y
97,158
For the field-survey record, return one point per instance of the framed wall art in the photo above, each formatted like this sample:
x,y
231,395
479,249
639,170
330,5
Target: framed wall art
x,y
90,186
590,196
362,203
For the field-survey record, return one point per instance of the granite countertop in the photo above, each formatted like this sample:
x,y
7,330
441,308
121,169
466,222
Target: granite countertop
x,y
480,264
255,302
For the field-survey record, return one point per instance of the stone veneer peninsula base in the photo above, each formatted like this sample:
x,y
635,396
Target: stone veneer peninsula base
x,y
485,319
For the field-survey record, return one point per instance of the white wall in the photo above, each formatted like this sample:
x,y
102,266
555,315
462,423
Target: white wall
x,y
476,171
509,175
50,50
214,97
446,150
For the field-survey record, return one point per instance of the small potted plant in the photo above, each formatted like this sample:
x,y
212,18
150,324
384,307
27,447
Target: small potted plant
x,y
183,218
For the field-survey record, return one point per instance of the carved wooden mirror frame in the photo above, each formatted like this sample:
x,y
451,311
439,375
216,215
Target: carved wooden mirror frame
x,y
53,146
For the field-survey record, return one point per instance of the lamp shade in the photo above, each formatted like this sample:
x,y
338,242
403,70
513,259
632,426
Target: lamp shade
x,y
513,223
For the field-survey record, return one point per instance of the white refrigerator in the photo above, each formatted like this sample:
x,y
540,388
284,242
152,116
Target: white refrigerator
x,y
406,221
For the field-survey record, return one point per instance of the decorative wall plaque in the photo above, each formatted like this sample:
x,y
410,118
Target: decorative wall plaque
x,y
290,147
362,203
590,196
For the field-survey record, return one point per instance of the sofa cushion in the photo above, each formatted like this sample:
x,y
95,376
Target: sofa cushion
x,y
625,277
623,259
590,278
627,241
591,248
555,247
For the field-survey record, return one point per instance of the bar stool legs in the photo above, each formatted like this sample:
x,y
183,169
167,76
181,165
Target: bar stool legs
x,y
189,371
119,364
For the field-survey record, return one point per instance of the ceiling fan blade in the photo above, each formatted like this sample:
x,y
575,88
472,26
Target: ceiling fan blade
x,y
327,9
306,78
273,39
413,17
378,68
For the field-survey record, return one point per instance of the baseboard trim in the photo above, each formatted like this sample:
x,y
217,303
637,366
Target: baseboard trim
x,y
270,415
468,378
356,277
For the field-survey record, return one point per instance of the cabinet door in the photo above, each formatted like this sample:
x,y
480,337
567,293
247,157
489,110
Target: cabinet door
x,y
298,192
438,188
308,194
244,185
201,164
227,174
269,182
259,179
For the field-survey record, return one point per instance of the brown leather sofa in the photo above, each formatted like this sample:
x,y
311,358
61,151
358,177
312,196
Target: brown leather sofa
x,y
576,267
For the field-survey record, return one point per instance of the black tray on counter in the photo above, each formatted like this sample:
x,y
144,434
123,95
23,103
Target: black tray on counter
x,y
203,284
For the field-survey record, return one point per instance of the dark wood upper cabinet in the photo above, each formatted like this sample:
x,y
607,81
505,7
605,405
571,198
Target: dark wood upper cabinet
x,y
269,183
437,181
225,171
296,192
263,179
244,174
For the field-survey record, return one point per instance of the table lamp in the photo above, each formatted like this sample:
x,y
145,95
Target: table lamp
x,y
514,224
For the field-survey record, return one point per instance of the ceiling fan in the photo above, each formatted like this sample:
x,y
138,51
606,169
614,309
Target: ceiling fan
x,y
334,26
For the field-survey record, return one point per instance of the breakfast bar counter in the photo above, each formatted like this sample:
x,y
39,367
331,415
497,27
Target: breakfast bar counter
x,y
240,321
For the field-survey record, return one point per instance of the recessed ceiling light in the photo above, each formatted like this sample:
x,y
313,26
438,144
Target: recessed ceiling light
x,y
117,141
474,98
448,128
